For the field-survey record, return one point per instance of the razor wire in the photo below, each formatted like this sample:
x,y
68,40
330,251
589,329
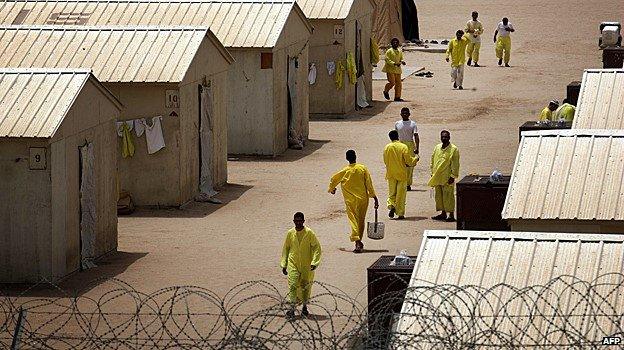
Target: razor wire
x,y
565,312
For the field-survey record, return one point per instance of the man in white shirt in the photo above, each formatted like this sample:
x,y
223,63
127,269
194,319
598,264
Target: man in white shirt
x,y
408,135
474,29
503,43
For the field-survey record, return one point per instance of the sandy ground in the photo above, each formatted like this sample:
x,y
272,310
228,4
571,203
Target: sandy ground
x,y
219,246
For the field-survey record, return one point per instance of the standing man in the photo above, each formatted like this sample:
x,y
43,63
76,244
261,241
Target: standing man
x,y
503,43
301,255
397,158
547,112
474,29
444,171
392,68
408,135
357,187
457,51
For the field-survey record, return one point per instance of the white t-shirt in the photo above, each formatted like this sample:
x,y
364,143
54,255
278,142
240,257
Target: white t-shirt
x,y
475,25
501,28
406,129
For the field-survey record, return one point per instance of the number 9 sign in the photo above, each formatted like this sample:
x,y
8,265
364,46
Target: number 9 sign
x,y
37,158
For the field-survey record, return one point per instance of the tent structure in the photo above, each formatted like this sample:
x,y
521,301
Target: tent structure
x,y
268,92
601,100
58,211
568,181
341,27
395,19
512,290
171,76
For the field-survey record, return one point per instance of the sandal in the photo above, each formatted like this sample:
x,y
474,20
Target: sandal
x,y
439,217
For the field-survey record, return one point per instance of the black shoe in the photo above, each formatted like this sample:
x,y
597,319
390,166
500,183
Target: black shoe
x,y
440,217
387,95
461,87
476,64
500,62
469,61
401,217
290,314
391,213
304,311
454,86
507,65
399,100
409,188
450,219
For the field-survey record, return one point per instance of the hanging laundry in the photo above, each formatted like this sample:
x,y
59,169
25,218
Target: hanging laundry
x,y
351,71
127,147
154,135
312,73
339,78
139,126
374,52
129,123
361,93
331,67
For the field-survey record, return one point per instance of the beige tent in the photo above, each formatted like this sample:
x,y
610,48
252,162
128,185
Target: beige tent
x,y
166,72
58,168
395,19
268,90
568,181
340,27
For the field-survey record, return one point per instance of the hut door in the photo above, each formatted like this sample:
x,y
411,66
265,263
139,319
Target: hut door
x,y
88,214
295,132
205,141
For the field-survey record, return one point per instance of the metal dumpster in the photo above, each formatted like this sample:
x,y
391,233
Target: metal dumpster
x,y
480,203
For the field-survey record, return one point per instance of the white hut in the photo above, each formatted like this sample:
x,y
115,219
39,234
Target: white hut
x,y
58,168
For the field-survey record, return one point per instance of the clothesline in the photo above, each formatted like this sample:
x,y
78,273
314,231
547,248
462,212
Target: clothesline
x,y
153,134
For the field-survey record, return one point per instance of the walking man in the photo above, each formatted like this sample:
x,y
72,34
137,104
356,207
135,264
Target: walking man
x,y
503,43
397,158
474,29
444,172
408,135
357,187
392,68
457,52
301,255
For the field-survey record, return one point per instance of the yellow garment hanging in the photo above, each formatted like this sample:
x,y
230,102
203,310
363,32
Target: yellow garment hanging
x,y
339,76
374,54
351,71
127,147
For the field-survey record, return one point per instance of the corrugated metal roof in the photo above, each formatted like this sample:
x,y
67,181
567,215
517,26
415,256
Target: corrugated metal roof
x,y
236,23
518,259
33,102
601,100
571,174
326,9
117,54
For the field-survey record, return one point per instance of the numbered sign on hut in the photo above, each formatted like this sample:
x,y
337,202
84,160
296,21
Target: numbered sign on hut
x,y
37,158
338,31
172,100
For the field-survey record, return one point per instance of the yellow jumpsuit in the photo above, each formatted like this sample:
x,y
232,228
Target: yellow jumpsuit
x,y
566,112
473,47
444,165
301,250
410,170
546,114
397,158
393,72
357,187
351,71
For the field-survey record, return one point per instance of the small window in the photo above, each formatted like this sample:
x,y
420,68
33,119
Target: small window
x,y
266,60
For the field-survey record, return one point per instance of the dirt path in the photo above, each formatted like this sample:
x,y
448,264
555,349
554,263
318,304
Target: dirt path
x,y
219,246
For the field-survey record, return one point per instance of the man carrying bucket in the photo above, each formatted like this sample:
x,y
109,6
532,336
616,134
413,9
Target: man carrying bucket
x,y
357,187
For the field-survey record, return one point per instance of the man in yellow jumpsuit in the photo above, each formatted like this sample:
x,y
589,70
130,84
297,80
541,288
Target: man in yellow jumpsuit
x,y
392,68
301,255
503,43
457,51
565,111
547,112
444,171
397,157
357,187
474,29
